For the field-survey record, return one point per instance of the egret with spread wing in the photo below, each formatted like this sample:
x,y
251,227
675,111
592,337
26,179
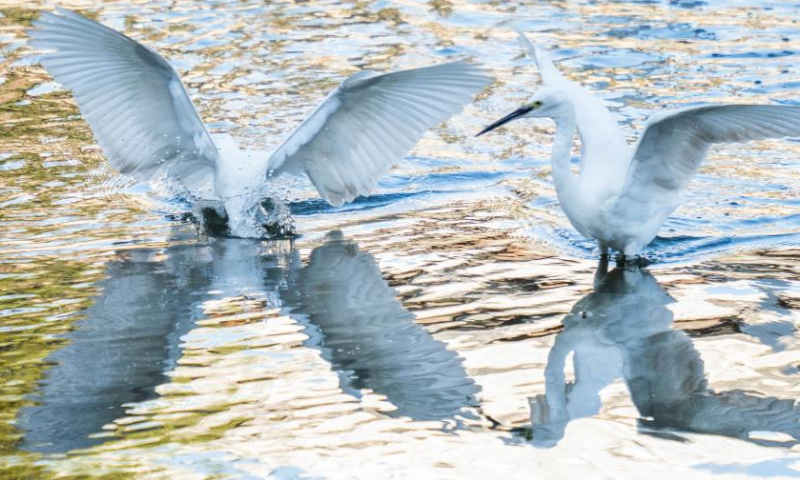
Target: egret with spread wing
x,y
623,195
143,119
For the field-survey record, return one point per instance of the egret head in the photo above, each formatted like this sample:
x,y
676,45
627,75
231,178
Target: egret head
x,y
545,103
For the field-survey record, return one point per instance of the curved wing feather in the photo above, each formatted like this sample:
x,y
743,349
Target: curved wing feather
x,y
370,122
133,100
674,143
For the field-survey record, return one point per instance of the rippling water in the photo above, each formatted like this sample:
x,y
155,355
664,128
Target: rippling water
x,y
451,325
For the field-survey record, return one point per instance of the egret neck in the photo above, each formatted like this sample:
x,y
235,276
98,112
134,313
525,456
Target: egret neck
x,y
566,125
569,194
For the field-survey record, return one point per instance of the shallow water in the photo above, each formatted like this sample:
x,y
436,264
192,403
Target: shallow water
x,y
452,325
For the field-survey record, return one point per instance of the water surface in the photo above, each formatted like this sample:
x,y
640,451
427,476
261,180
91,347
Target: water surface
x,y
452,324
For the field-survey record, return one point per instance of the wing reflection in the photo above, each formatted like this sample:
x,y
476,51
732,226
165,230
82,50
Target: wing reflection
x,y
130,337
623,329
371,340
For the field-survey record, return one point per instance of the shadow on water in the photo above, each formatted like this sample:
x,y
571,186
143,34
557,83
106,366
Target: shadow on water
x,y
403,187
624,329
671,248
131,336
684,248
318,205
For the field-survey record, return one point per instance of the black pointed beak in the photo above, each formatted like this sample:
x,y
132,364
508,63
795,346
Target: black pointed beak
x,y
511,116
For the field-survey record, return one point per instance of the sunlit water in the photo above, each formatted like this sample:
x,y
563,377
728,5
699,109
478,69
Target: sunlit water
x,y
450,326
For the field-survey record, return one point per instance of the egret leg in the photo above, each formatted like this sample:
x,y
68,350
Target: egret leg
x,y
603,250
215,221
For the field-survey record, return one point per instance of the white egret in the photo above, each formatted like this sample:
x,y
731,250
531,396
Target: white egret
x,y
623,194
142,118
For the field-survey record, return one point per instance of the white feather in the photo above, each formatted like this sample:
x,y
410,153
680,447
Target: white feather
x,y
671,149
597,125
133,100
370,122
142,117
674,143
623,196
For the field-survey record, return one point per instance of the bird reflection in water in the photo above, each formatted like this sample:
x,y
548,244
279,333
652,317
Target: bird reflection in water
x,y
130,338
624,329
372,341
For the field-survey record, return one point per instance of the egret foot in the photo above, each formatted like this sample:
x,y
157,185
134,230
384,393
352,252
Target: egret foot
x,y
640,261
215,223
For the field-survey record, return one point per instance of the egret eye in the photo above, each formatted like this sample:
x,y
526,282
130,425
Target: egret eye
x,y
536,104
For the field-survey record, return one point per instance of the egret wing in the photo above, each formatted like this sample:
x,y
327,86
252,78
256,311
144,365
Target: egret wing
x,y
674,143
133,100
599,130
370,122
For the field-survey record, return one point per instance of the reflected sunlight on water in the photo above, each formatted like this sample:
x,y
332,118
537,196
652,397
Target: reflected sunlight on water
x,y
452,325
